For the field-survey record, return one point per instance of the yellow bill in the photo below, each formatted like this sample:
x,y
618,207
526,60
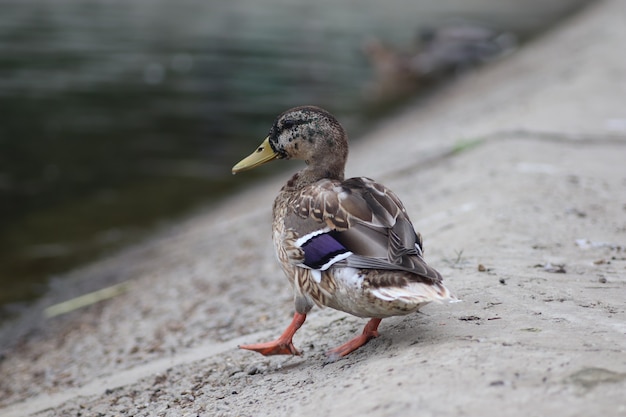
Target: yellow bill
x,y
264,153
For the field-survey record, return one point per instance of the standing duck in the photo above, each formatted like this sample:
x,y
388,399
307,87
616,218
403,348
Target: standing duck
x,y
343,243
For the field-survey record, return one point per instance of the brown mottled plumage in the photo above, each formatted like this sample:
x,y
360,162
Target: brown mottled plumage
x,y
343,243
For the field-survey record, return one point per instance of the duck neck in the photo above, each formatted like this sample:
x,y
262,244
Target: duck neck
x,y
314,173
330,167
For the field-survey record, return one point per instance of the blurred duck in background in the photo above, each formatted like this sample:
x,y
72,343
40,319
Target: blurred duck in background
x,y
438,52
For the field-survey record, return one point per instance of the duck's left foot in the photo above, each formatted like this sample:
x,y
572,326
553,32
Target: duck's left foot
x,y
283,345
369,332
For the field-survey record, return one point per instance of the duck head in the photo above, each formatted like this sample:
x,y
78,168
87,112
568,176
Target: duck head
x,y
308,133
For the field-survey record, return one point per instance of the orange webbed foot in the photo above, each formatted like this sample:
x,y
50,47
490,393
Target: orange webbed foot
x,y
369,332
276,347
283,345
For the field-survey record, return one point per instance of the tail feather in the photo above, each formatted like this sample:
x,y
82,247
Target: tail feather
x,y
416,293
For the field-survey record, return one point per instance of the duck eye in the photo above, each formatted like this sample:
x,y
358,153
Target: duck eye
x,y
288,124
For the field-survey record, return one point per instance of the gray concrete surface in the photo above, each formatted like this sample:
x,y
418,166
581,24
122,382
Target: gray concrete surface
x,y
516,177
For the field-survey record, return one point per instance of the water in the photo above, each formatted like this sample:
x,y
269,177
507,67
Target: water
x,y
118,116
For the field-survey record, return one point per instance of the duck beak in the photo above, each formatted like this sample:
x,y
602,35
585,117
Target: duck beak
x,y
264,153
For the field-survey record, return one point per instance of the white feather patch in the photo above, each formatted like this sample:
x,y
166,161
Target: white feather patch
x,y
303,239
350,277
328,264
416,292
335,259
317,275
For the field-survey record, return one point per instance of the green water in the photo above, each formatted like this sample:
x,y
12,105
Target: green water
x,y
117,117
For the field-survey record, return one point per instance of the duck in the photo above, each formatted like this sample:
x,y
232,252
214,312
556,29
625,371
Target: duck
x,y
347,244
440,52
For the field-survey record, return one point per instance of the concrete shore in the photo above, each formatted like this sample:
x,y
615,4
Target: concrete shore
x,y
516,177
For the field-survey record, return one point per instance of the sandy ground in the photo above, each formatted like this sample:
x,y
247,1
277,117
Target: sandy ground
x,y
516,177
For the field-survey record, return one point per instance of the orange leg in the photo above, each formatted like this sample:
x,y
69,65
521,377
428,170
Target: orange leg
x,y
283,345
369,332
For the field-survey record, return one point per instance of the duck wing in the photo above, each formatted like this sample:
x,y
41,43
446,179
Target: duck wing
x,y
356,223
